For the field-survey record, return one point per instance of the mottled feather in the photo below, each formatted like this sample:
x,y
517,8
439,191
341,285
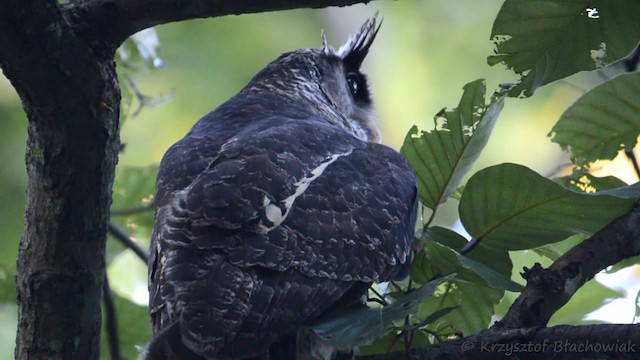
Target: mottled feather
x,y
276,207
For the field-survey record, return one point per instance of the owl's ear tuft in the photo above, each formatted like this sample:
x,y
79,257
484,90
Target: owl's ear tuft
x,y
326,49
356,48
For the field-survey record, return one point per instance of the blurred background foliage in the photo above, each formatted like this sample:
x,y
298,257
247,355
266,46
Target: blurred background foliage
x,y
425,52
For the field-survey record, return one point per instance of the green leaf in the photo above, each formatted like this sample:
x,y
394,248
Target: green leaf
x,y
590,297
457,193
554,251
389,342
446,258
549,40
473,301
133,191
510,207
632,261
7,284
393,342
441,157
357,325
134,187
432,318
602,122
8,324
421,270
493,278
126,97
474,306
582,181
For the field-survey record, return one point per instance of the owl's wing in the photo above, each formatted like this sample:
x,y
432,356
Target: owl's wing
x,y
285,221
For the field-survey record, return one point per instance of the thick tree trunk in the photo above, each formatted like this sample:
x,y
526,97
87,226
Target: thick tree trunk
x,y
70,94
70,165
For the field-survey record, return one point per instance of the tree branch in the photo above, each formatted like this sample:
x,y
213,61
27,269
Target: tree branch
x,y
607,341
522,333
115,20
549,289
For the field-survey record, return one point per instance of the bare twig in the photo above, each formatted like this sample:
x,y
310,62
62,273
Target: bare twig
x,y
111,322
631,61
630,154
146,100
380,298
122,236
131,211
470,246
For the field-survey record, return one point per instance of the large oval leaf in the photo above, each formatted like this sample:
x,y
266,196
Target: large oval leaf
x,y
483,266
358,325
510,207
474,306
602,122
589,298
550,40
443,156
469,296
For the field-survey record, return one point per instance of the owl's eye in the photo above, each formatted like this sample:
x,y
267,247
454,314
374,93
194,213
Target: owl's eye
x,y
354,81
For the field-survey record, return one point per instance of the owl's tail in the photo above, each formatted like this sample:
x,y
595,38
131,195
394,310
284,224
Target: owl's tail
x,y
167,345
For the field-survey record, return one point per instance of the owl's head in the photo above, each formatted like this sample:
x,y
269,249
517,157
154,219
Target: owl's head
x,y
327,81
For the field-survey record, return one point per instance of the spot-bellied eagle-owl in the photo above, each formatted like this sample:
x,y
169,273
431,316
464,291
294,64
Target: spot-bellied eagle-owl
x,y
275,208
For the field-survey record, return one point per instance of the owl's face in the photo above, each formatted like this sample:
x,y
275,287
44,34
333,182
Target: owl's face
x,y
327,81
